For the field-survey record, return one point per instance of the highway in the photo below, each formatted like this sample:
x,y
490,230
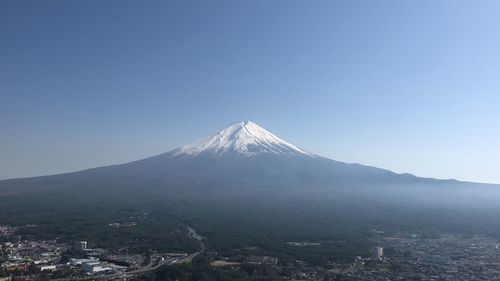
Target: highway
x,y
151,265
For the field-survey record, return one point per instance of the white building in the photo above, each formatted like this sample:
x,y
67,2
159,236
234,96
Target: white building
x,y
377,252
48,267
95,266
81,261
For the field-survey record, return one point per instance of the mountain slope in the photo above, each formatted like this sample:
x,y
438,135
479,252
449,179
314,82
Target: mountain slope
x,y
246,154
242,154
242,187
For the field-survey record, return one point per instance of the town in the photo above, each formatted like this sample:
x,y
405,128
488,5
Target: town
x,y
401,256
34,259
409,256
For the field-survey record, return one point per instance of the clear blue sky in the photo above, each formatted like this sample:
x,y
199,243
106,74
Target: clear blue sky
x,y
411,86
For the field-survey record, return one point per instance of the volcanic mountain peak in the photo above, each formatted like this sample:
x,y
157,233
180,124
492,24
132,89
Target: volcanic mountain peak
x,y
242,137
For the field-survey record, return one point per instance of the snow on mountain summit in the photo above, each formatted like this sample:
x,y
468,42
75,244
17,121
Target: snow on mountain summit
x,y
243,137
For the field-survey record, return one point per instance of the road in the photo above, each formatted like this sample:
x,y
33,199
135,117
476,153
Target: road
x,y
150,266
193,234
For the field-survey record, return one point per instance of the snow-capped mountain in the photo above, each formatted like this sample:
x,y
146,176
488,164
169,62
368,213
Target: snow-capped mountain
x,y
242,154
242,137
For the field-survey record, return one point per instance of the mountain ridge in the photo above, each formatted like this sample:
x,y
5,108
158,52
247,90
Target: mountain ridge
x,y
241,154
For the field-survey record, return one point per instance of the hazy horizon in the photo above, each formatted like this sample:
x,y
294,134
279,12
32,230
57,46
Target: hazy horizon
x,y
409,87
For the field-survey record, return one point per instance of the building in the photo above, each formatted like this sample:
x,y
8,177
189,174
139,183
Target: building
x,y
95,267
81,245
377,252
263,260
48,267
81,261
